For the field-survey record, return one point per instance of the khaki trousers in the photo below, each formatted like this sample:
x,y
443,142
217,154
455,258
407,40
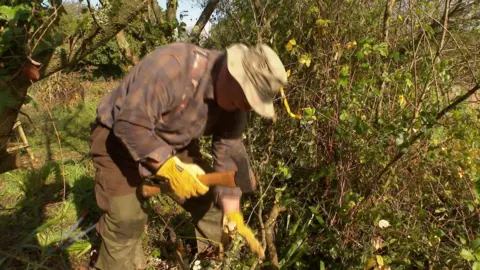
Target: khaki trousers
x,y
117,194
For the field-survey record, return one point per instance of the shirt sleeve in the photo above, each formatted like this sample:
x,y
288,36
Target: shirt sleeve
x,y
147,98
227,139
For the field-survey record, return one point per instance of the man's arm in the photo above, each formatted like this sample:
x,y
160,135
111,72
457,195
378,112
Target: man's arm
x,y
227,140
148,96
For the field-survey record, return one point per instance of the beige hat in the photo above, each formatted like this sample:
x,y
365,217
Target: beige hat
x,y
260,73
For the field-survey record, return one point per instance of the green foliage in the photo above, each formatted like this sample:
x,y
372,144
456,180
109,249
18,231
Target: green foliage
x,y
370,98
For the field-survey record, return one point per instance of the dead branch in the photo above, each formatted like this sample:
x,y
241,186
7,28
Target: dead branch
x,y
270,232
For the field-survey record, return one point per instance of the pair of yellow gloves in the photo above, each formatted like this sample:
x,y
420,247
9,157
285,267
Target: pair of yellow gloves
x,y
183,180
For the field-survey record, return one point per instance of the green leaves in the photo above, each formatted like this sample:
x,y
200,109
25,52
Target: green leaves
x,y
18,13
467,255
381,48
323,23
317,215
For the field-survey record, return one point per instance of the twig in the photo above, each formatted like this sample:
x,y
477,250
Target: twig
x,y
29,119
61,153
54,15
445,26
93,15
255,19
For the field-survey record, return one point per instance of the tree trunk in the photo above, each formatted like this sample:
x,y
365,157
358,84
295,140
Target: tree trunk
x,y
203,20
171,10
10,162
14,90
125,48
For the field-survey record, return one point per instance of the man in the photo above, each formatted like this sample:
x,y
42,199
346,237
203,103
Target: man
x,y
150,126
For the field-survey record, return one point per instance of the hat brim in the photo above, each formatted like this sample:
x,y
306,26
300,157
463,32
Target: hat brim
x,y
235,56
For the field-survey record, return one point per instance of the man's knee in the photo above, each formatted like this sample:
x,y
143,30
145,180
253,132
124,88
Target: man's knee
x,y
126,218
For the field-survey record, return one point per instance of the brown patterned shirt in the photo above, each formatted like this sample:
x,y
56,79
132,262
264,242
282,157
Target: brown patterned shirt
x,y
166,101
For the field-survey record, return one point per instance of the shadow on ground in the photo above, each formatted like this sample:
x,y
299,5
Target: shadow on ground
x,y
40,213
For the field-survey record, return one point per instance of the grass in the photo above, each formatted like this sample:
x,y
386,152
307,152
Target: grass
x,y
37,208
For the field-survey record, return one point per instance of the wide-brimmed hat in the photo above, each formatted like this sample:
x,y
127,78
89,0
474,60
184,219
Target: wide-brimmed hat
x,y
260,73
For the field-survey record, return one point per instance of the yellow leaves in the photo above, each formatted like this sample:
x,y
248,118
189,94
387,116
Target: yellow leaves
x,y
380,260
351,44
323,23
377,243
288,73
460,172
305,59
400,18
402,101
291,43
370,263
351,204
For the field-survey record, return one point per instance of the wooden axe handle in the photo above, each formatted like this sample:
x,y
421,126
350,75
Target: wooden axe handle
x,y
218,179
209,179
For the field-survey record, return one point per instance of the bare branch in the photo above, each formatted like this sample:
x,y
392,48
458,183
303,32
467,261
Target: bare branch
x,y
92,13
445,27
386,18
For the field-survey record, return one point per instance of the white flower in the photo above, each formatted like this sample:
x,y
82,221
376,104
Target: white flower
x,y
196,265
383,224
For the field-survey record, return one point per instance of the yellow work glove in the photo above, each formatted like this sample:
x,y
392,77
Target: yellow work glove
x,y
235,218
182,178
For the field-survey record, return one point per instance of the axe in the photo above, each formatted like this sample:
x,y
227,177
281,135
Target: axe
x,y
229,178
209,179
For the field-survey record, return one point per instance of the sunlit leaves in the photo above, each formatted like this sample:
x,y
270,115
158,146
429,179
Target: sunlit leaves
x,y
402,101
467,255
351,44
305,59
20,12
323,23
291,43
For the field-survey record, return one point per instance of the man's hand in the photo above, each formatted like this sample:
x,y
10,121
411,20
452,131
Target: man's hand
x,y
182,178
235,219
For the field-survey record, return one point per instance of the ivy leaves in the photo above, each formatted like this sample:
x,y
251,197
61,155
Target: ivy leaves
x,y
10,19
